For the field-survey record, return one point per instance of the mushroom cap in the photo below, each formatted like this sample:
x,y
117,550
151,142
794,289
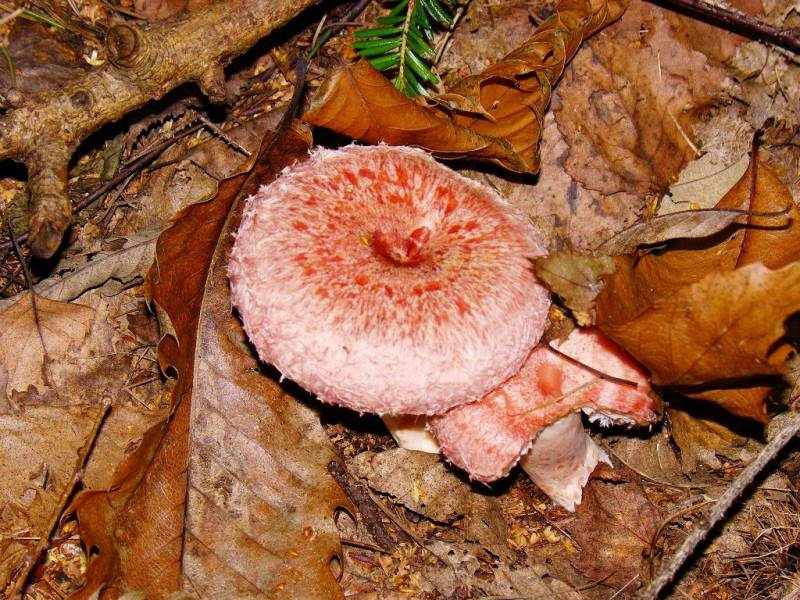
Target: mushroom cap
x,y
380,280
488,437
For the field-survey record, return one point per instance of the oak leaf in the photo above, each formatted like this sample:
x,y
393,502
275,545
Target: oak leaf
x,y
231,495
495,116
722,327
613,525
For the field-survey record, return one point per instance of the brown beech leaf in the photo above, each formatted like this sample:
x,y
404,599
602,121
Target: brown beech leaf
x,y
664,278
62,326
720,328
629,100
613,525
230,497
495,116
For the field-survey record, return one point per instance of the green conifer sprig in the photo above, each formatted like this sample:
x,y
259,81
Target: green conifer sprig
x,y
403,43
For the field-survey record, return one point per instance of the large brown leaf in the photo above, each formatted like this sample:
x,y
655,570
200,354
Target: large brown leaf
x,y
231,496
630,99
495,116
710,312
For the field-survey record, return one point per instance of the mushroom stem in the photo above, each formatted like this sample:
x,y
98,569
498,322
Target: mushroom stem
x,y
411,432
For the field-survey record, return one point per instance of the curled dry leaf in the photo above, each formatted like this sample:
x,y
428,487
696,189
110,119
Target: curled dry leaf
x,y
231,495
61,327
703,439
685,224
495,116
423,483
704,314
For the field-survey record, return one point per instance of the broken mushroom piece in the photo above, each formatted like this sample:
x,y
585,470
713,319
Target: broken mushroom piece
x,y
380,280
561,459
585,372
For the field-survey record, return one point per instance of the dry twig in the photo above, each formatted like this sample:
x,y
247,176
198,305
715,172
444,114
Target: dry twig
x,y
790,429
739,22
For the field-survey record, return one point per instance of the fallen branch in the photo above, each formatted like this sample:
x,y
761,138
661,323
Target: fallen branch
x,y
739,22
788,431
144,65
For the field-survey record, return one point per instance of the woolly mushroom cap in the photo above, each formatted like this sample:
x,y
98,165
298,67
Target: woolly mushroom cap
x,y
587,372
380,280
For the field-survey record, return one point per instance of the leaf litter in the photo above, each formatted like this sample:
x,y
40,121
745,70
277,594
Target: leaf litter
x,y
534,529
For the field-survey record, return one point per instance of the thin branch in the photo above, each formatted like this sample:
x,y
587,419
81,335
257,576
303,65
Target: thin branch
x,y
740,23
29,282
789,430
31,558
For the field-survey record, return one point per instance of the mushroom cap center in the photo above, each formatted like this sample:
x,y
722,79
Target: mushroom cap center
x,y
401,249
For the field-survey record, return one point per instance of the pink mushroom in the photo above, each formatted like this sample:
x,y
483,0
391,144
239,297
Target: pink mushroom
x,y
380,280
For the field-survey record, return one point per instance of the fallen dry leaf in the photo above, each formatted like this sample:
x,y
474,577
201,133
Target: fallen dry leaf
x,y
495,116
708,312
241,465
685,224
629,99
613,525
576,279
420,481
423,483
26,349
721,328
701,439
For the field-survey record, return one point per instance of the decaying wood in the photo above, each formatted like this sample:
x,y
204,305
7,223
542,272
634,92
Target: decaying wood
x,y
144,64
